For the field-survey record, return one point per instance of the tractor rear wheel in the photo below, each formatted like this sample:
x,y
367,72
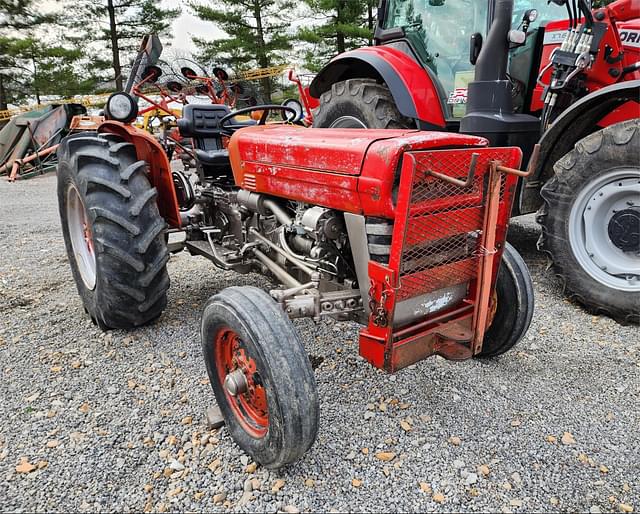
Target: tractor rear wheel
x,y
261,376
591,221
359,103
112,230
514,305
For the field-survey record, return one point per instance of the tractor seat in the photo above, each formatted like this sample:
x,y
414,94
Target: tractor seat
x,y
201,122
213,157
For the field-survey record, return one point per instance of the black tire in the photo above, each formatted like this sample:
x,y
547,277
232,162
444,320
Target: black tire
x,y
515,305
268,337
126,230
594,158
361,99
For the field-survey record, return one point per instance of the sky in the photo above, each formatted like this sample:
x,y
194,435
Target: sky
x,y
185,26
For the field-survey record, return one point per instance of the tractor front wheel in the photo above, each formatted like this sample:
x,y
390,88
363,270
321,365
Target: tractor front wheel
x,y
359,104
260,375
591,221
112,230
514,304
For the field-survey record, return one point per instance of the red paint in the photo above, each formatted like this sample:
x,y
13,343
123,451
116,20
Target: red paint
x,y
621,17
149,150
430,209
625,112
347,169
417,81
250,408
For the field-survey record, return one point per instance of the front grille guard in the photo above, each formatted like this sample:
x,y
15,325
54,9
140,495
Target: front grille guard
x,y
451,222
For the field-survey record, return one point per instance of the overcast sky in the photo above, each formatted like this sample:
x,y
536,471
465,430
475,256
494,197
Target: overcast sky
x,y
185,26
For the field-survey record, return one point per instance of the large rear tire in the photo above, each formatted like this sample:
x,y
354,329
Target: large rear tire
x,y
591,221
112,230
261,376
359,103
515,305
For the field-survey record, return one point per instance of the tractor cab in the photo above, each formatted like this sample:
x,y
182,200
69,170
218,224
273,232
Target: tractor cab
x,y
445,36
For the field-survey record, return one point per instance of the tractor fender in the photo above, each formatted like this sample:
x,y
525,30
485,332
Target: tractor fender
x,y
413,87
148,149
578,121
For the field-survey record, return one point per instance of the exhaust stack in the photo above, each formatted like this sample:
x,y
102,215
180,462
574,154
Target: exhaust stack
x,y
490,103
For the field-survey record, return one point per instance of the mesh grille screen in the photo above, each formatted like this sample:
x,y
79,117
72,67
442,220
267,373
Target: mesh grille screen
x,y
442,243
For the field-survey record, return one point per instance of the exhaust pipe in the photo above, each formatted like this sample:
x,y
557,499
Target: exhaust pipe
x,y
490,111
494,55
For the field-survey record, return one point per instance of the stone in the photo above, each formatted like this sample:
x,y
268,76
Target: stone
x,y
471,479
214,418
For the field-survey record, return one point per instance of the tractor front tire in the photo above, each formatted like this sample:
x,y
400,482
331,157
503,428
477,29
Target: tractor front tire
x,y
359,103
591,221
113,232
261,376
515,305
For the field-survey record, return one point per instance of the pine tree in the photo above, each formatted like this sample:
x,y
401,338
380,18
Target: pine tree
x,y
257,34
120,24
349,24
17,17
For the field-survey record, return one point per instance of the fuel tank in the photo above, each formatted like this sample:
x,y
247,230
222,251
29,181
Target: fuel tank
x,y
352,170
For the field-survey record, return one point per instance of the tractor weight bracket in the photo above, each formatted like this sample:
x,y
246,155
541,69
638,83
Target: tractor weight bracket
x,y
457,182
533,164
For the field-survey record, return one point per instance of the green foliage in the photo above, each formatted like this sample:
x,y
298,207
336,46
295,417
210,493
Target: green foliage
x,y
22,14
256,34
111,30
347,24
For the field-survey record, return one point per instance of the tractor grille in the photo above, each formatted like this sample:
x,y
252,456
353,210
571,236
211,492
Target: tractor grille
x,y
441,244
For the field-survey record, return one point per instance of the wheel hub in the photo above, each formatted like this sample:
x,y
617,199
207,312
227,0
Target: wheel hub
x,y
348,122
604,229
624,230
81,237
236,383
242,383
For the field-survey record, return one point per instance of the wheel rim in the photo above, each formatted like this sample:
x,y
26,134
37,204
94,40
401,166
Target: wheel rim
x,y
603,229
81,238
348,122
237,368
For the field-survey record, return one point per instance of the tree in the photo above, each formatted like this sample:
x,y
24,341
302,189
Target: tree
x,y
16,17
256,34
121,24
347,24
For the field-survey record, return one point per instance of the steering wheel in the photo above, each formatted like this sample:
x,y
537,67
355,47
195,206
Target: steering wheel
x,y
224,122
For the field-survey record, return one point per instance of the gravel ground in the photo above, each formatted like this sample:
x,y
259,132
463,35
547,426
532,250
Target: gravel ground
x,y
115,422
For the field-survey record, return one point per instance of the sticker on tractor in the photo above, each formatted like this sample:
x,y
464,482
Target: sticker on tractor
x,y
458,96
555,38
630,37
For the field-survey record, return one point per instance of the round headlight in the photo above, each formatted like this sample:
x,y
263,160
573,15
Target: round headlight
x,y
121,107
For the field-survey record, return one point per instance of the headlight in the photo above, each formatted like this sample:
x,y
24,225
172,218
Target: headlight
x,y
532,15
121,107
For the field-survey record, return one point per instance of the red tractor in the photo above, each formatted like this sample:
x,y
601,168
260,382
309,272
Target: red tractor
x,y
401,230
568,79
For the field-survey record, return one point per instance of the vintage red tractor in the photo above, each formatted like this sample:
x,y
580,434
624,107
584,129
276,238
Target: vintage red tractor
x,y
571,77
403,231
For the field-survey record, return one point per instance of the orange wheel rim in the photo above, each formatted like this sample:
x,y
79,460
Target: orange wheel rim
x,y
250,406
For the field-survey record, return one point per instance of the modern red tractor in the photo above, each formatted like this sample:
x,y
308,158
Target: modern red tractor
x,y
568,79
401,230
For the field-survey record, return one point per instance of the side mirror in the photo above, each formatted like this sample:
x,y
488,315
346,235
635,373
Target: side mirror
x,y
474,47
530,15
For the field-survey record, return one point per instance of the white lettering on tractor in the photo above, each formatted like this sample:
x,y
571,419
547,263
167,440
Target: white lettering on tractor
x,y
554,38
630,37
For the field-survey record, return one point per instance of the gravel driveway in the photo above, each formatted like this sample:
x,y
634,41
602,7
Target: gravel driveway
x,y
115,422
